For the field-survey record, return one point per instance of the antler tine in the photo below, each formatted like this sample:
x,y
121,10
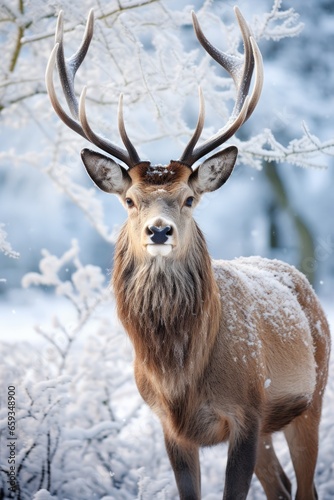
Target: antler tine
x,y
258,78
247,65
67,69
73,124
241,72
199,127
124,136
100,141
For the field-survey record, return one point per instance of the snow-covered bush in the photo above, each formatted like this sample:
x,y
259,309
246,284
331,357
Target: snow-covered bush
x,y
73,427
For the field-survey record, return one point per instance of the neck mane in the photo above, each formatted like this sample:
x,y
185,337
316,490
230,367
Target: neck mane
x,y
170,308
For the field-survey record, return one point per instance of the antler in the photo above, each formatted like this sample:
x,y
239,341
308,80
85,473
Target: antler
x,y
67,69
241,72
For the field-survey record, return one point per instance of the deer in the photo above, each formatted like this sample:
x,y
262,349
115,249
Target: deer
x,y
225,351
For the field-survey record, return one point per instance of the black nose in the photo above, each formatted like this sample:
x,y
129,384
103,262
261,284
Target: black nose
x,y
159,235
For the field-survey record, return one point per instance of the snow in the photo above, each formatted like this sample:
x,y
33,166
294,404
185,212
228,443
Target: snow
x,y
267,383
267,285
43,495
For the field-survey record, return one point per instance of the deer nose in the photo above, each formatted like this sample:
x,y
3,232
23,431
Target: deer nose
x,y
159,235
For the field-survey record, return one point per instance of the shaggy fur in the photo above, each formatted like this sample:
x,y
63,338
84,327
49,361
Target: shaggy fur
x,y
226,350
165,316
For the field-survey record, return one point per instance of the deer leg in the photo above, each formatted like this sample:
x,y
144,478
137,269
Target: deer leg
x,y
240,464
302,437
269,471
185,463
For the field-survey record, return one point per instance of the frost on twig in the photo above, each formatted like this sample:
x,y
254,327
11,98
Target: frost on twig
x,y
303,152
85,290
5,246
85,286
85,199
277,24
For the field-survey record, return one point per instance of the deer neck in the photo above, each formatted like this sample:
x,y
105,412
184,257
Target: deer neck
x,y
170,308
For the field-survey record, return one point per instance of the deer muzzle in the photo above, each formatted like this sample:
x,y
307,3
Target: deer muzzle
x,y
159,237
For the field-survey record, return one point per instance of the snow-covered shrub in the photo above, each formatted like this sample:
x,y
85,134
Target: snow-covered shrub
x,y
76,402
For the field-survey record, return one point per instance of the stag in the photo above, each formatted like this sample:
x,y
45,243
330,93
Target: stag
x,y
224,350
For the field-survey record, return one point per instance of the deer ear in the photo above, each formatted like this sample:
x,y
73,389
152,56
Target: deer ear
x,y
214,171
105,172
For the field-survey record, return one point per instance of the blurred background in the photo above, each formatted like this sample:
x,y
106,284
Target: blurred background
x,y
275,209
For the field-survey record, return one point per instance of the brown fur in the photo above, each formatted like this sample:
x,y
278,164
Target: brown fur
x,y
165,316
158,175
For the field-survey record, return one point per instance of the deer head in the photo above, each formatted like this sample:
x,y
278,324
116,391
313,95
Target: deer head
x,y
159,199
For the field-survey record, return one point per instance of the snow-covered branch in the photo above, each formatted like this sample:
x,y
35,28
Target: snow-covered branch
x,y
303,152
85,199
277,24
85,290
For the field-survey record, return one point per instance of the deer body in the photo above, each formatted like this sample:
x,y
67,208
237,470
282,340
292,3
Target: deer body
x,y
224,350
237,357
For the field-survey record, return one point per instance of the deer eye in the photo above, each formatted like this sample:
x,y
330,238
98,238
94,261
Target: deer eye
x,y
189,201
129,202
